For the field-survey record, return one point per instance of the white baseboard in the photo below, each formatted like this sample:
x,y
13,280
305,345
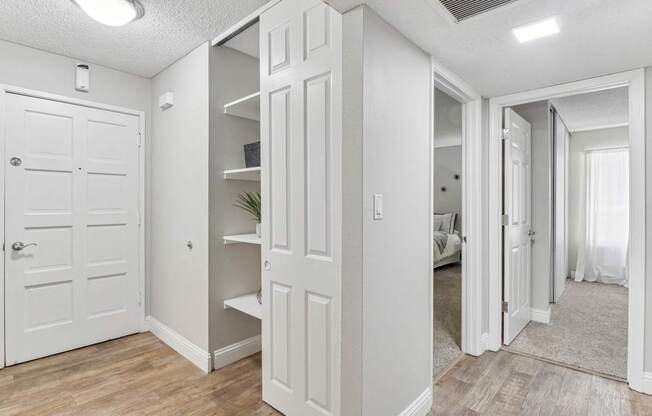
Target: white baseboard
x,y
421,406
177,342
484,342
235,352
646,385
540,315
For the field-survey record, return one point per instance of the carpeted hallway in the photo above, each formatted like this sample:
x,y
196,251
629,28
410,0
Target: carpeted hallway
x,y
588,330
447,315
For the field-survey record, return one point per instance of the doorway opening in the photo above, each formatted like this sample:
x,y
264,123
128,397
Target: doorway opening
x,y
567,240
447,230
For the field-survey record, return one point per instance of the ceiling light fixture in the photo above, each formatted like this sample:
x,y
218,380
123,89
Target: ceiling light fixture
x,y
112,12
536,30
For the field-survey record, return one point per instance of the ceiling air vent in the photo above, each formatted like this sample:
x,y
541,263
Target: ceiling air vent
x,y
463,9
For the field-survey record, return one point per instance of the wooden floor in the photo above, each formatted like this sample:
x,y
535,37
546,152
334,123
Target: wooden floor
x,y
507,384
136,375
139,375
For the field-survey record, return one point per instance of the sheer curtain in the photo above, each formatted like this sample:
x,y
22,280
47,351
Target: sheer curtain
x,y
603,253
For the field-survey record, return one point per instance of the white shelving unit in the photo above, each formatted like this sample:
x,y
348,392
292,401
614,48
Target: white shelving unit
x,y
244,174
246,304
245,107
243,239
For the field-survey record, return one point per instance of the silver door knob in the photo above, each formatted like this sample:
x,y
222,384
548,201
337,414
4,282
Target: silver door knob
x,y
19,245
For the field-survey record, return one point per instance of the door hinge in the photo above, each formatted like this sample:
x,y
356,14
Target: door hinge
x,y
140,298
140,139
505,134
504,220
505,307
139,219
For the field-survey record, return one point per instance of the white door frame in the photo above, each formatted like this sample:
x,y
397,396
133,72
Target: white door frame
x,y
472,213
635,80
8,89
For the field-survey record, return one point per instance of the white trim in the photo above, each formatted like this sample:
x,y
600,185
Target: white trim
x,y
421,406
177,342
251,17
600,127
647,383
635,80
235,352
484,341
472,213
453,85
540,315
9,89
2,225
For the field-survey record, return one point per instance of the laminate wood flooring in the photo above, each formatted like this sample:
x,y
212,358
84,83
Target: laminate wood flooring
x,y
139,375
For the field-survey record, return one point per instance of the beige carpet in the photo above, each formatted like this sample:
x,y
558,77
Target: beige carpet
x,y
588,329
447,315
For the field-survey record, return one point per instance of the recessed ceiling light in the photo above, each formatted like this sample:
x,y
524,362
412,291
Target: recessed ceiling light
x,y
112,12
536,30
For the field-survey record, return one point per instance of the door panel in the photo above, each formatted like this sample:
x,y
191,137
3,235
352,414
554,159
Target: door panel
x,y
301,184
75,196
517,231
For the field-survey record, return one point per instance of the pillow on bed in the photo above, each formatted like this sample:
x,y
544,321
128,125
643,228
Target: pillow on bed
x,y
443,222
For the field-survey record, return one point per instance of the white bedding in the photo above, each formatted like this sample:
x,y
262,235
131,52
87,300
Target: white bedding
x,y
452,249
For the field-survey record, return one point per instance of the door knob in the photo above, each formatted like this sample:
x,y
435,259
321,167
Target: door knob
x,y
19,245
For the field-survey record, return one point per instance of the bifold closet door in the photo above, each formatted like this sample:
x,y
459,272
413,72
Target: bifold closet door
x,y
301,188
71,221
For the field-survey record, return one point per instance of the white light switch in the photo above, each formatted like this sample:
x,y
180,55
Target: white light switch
x,y
378,206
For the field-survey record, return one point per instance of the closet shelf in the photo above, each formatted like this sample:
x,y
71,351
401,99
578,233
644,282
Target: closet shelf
x,y
244,174
243,238
246,304
245,107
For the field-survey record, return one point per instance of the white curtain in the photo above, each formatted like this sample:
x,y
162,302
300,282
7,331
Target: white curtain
x,y
604,251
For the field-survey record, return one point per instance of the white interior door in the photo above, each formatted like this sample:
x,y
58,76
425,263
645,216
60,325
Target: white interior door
x,y
517,230
71,234
301,200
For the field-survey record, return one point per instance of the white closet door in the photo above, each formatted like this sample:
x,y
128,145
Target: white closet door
x,y
301,189
72,201
518,229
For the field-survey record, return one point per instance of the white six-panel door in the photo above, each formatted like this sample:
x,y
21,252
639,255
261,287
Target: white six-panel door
x,y
72,201
301,197
518,228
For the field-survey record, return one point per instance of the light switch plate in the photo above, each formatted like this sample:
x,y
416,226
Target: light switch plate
x,y
378,206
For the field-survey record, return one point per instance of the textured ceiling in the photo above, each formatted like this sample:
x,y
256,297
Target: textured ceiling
x,y
597,37
169,30
594,110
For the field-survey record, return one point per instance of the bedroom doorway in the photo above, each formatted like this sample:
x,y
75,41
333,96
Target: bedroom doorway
x,y
447,230
576,297
630,189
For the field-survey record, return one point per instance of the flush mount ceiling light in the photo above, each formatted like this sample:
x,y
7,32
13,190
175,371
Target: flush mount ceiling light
x,y
536,30
112,12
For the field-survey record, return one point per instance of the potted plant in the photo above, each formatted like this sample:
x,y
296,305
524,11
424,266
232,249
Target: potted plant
x,y
250,202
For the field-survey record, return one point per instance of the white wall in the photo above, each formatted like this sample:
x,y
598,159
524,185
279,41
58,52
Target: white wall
x,y
448,156
179,198
42,71
393,135
448,162
538,114
448,120
580,142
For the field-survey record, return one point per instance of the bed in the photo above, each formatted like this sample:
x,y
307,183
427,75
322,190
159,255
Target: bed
x,y
447,244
